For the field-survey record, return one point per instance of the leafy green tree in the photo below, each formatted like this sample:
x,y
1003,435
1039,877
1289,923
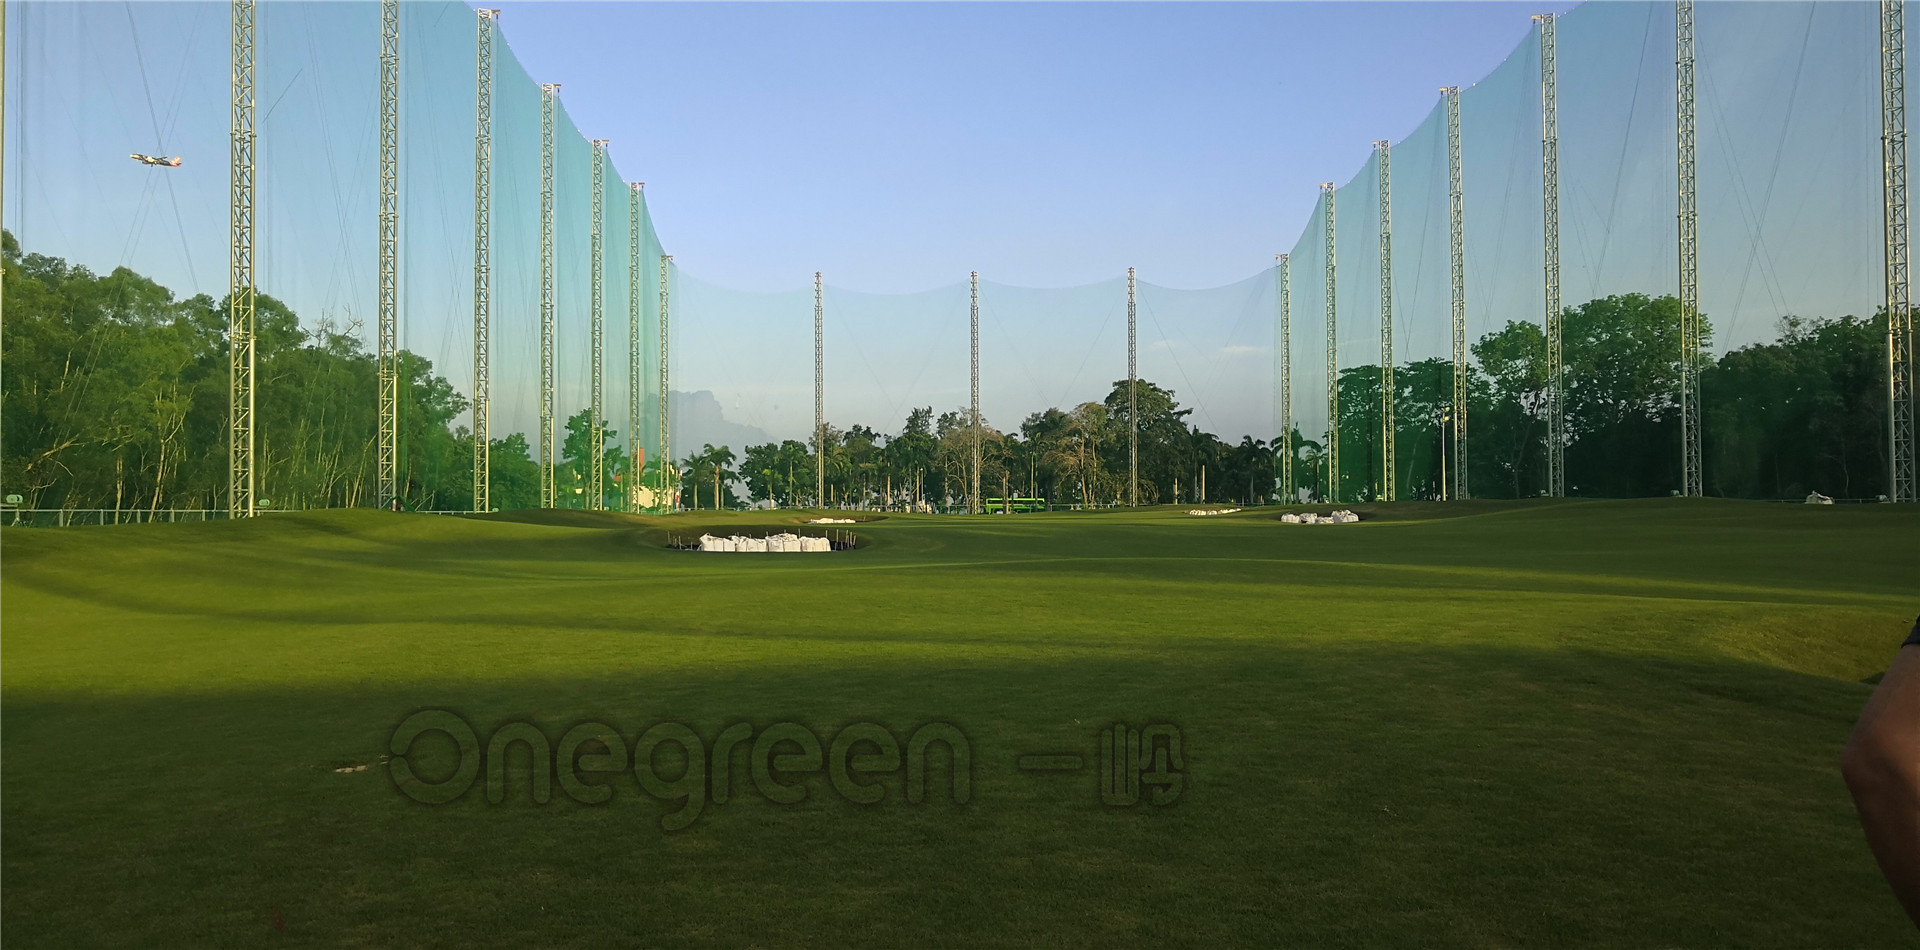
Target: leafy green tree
x,y
1622,358
1505,436
513,477
1166,442
115,396
1805,413
572,477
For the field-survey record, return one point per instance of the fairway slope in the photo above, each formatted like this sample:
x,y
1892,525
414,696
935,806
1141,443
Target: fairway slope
x,y
1574,723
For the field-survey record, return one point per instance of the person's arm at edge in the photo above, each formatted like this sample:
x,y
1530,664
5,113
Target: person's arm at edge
x,y
1881,764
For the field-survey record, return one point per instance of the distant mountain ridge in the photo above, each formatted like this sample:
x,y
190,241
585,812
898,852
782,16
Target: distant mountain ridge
x,y
696,419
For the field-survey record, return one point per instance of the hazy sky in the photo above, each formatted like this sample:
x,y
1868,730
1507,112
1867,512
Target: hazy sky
x,y
898,146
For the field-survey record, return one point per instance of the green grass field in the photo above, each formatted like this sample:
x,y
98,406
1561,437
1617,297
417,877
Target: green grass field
x,y
1581,723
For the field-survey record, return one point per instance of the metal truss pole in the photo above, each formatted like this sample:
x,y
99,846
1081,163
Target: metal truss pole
x,y
1133,401
240,285
1691,480
1456,233
636,455
1333,359
1903,481
973,490
819,392
596,426
1285,442
1387,390
388,465
666,451
1550,203
483,260
548,494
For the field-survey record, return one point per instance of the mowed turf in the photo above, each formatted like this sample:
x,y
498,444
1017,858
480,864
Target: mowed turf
x,y
1579,723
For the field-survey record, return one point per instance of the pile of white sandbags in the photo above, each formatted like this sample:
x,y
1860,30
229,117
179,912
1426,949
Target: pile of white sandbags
x,y
1342,516
772,544
831,521
1212,511
1815,498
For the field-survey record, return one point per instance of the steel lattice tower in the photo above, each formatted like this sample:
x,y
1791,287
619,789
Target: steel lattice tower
x,y
1333,360
1133,402
483,259
973,492
819,392
1692,482
636,455
548,93
1550,204
1286,381
388,467
1387,390
1456,234
1903,485
240,381
666,452
597,428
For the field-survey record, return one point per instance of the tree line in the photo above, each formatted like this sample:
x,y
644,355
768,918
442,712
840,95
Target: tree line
x,y
1072,457
114,392
1802,413
114,395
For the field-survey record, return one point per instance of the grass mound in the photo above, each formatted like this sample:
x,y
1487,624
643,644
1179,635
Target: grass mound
x,y
1572,723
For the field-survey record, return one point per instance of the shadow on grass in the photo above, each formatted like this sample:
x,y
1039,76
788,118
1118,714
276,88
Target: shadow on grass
x,y
1385,794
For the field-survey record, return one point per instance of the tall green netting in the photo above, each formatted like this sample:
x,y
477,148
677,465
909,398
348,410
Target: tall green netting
x,y
741,365
516,253
1306,317
1046,348
1213,348
887,354
1789,223
436,226
749,356
573,169
1789,209
647,330
89,423
89,83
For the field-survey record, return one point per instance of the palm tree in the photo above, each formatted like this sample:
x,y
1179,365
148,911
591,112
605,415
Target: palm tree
x,y
710,464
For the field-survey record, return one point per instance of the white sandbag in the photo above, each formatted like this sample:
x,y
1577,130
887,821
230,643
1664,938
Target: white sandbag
x,y
750,545
783,544
813,545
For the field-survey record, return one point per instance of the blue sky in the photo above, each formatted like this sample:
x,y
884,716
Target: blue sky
x,y
898,146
